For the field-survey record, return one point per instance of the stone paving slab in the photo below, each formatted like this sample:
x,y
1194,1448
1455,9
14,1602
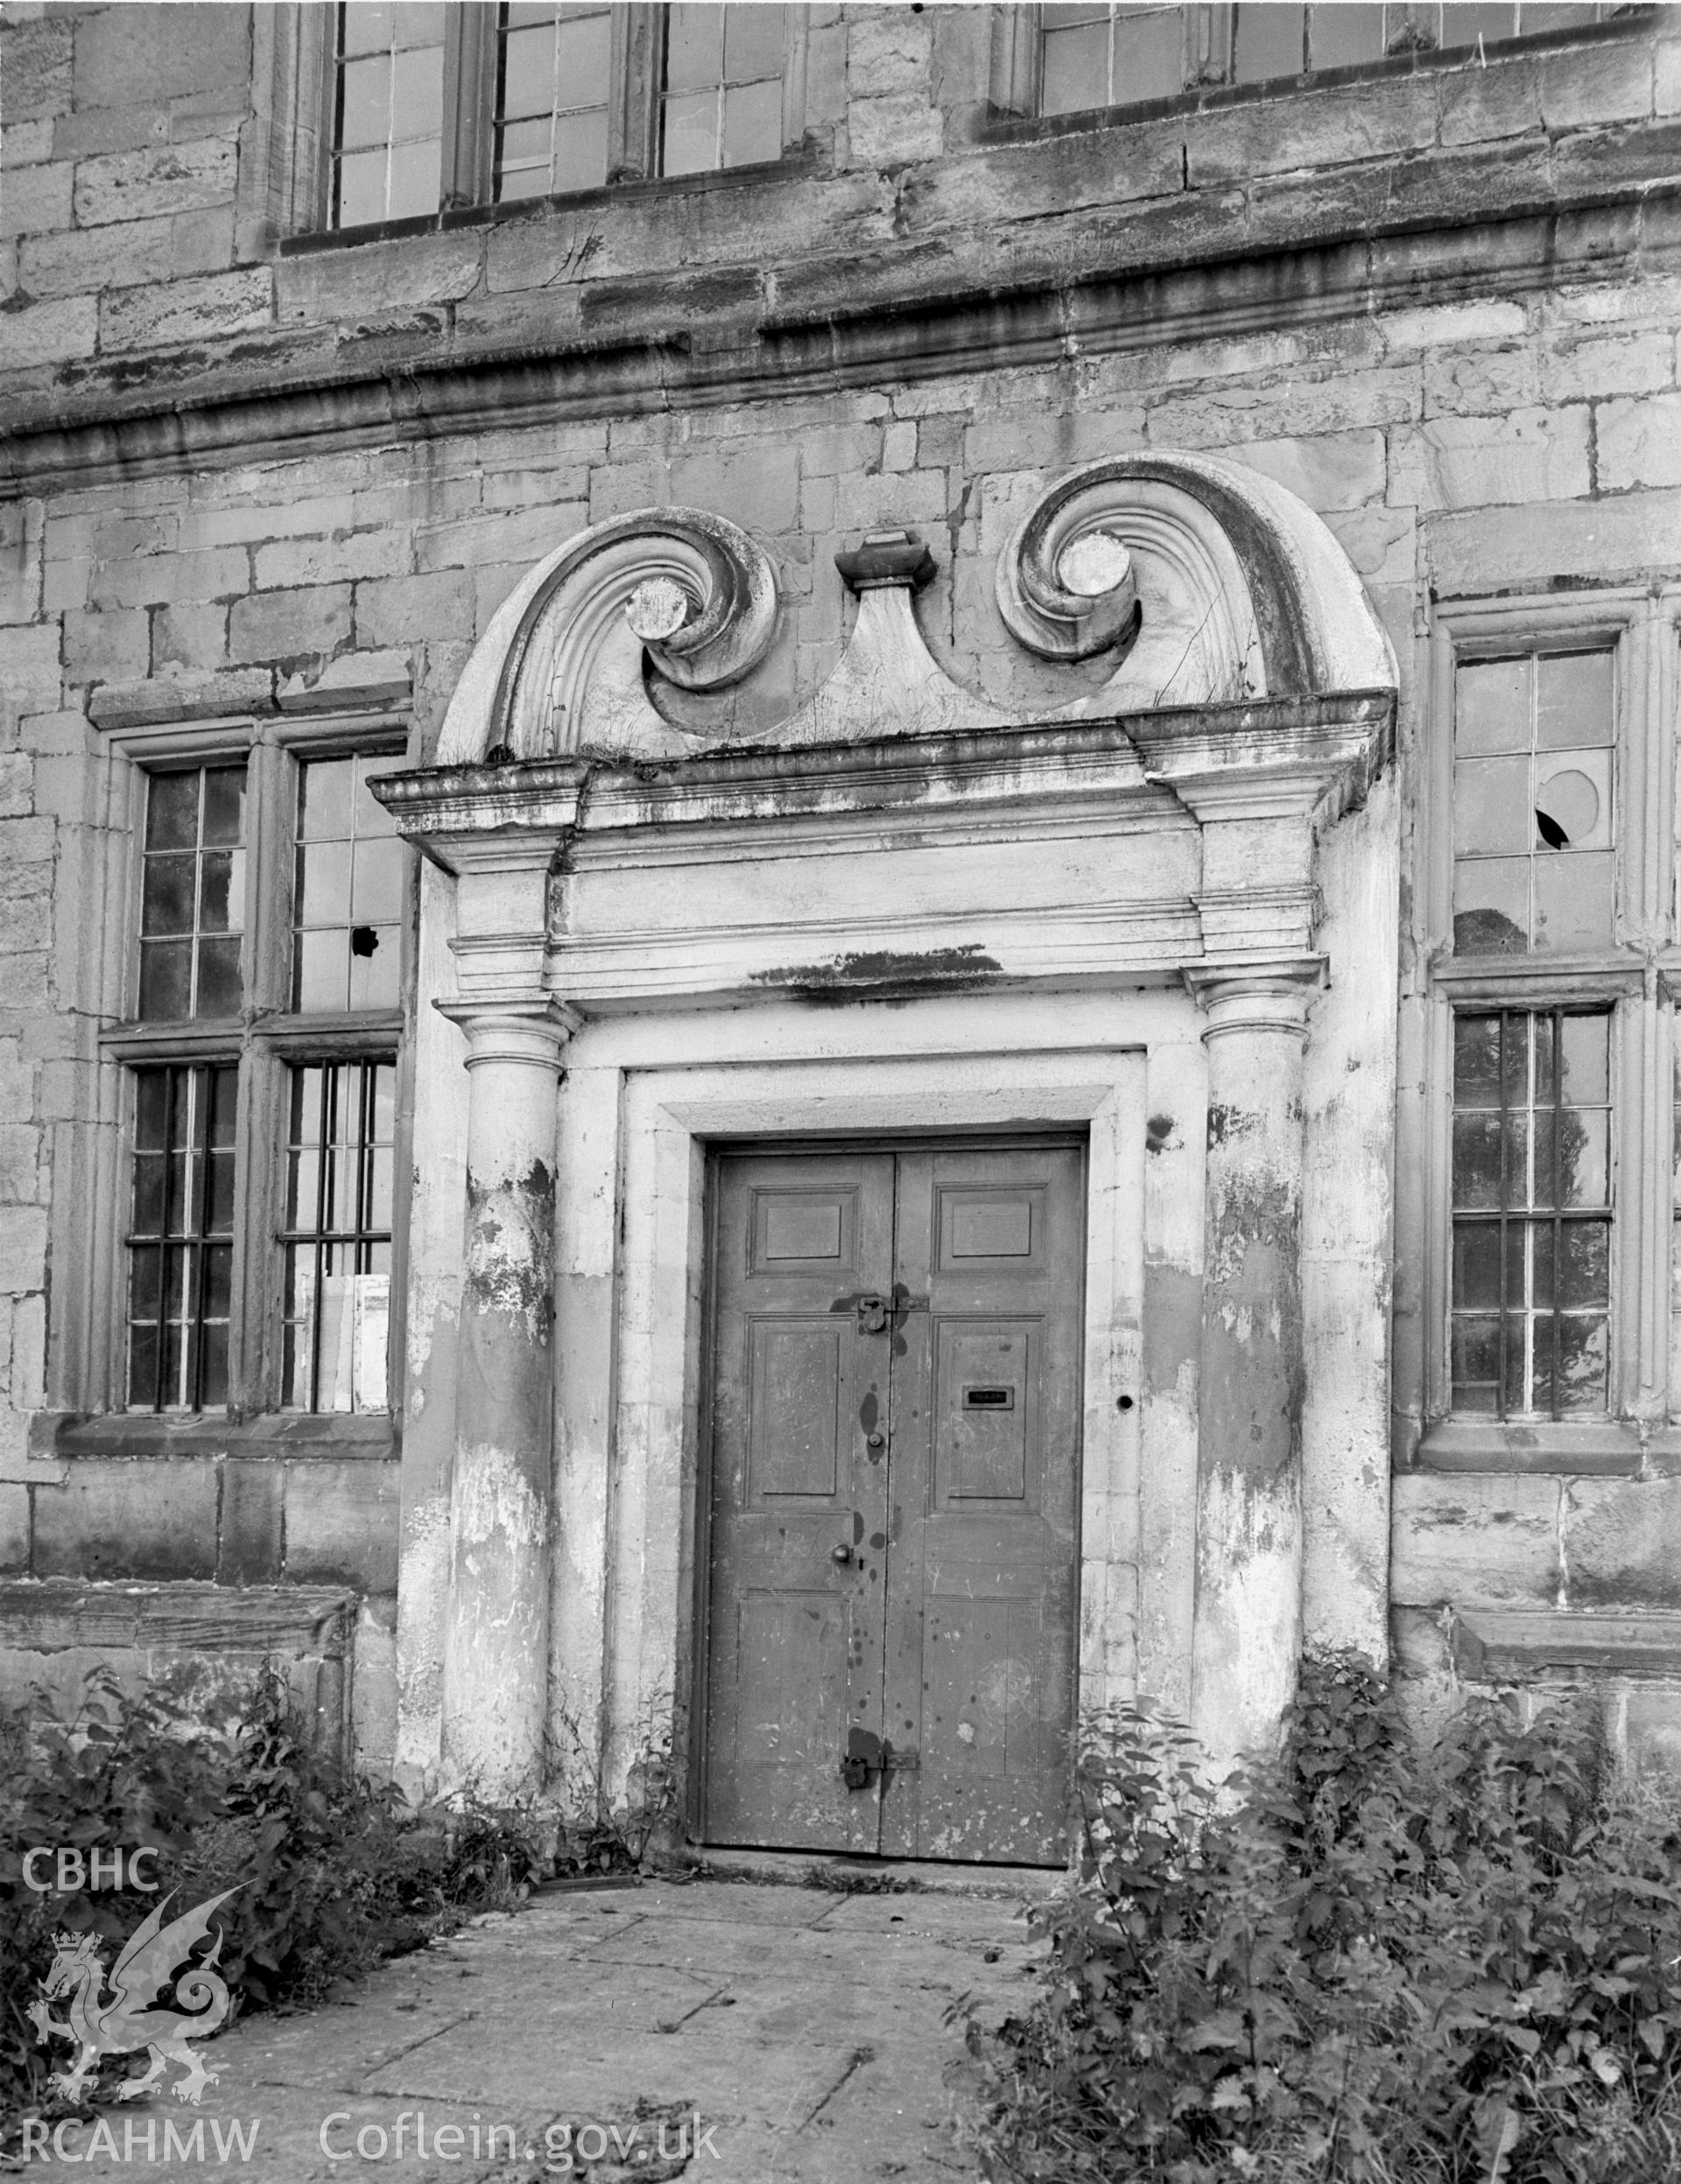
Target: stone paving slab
x,y
802,2031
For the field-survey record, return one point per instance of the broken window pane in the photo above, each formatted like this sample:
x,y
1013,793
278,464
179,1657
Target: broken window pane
x,y
1534,778
348,890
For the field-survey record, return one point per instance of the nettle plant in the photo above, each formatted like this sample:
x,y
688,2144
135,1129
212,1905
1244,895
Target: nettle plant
x,y
1380,1962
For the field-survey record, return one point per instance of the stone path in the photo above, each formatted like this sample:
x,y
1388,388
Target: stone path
x,y
805,2031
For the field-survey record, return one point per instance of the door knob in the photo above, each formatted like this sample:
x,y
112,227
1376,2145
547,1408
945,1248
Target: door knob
x,y
841,1554
875,1441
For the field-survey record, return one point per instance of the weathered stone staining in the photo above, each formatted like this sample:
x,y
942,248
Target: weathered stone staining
x,y
948,637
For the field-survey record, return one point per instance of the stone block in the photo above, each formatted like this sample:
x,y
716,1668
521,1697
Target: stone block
x,y
1666,78
293,563
283,625
17,801
163,179
189,637
20,1164
1594,84
36,79
100,129
128,1519
183,695
1488,461
1351,122
50,333
514,535
1482,382
359,680
30,676
402,610
86,260
159,580
25,143
183,310
377,278
886,48
1578,370
23,987
1335,470
892,131
1622,1542
1474,1540
1481,105
1639,442
259,523
1431,326
342,1524
14,1527
34,200
250,1546
123,58
107,648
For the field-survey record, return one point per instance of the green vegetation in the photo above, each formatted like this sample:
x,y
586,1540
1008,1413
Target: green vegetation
x,y
1377,1963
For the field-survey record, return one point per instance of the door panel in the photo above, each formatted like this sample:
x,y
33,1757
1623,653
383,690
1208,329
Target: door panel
x,y
893,1533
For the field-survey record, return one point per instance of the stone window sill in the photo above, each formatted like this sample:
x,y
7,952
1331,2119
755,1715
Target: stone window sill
x,y
797,161
371,1437
1605,1448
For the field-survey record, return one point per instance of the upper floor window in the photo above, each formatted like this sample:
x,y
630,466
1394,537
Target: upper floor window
x,y
443,102
1119,55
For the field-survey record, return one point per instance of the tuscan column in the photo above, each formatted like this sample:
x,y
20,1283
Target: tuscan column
x,y
1249,1572
501,1500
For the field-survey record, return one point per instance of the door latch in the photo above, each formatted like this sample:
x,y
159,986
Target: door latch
x,y
868,1754
874,1312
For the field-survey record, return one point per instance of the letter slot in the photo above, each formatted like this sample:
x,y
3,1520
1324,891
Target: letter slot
x,y
989,1399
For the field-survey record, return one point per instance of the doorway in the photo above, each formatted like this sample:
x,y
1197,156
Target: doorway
x,y
891,1580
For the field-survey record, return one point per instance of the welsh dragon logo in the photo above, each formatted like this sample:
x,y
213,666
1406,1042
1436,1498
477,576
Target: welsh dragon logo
x,y
129,2015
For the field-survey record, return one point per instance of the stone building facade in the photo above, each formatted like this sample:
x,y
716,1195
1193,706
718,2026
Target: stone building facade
x,y
837,885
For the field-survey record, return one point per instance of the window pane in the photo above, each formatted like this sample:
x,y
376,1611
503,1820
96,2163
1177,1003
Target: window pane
x,y
752,124
1074,69
691,136
1531,1278
418,95
528,79
754,38
1533,804
416,172
348,890
580,154
581,64
1269,41
367,26
367,111
361,188
219,990
180,1249
1575,699
1148,57
1463,23
1491,705
338,1246
694,46
1342,35
166,903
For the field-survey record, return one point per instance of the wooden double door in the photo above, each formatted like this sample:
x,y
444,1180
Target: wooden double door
x,y
892,1551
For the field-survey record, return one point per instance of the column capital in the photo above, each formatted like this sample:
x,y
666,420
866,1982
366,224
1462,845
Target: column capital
x,y
514,1027
1262,994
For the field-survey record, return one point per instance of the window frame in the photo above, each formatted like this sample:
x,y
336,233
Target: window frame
x,y
264,1042
286,187
1629,977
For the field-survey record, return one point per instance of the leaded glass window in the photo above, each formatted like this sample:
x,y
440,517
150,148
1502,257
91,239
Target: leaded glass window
x,y
1532,1212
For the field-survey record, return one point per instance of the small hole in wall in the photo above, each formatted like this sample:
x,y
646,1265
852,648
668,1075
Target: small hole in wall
x,y
1123,1403
363,940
